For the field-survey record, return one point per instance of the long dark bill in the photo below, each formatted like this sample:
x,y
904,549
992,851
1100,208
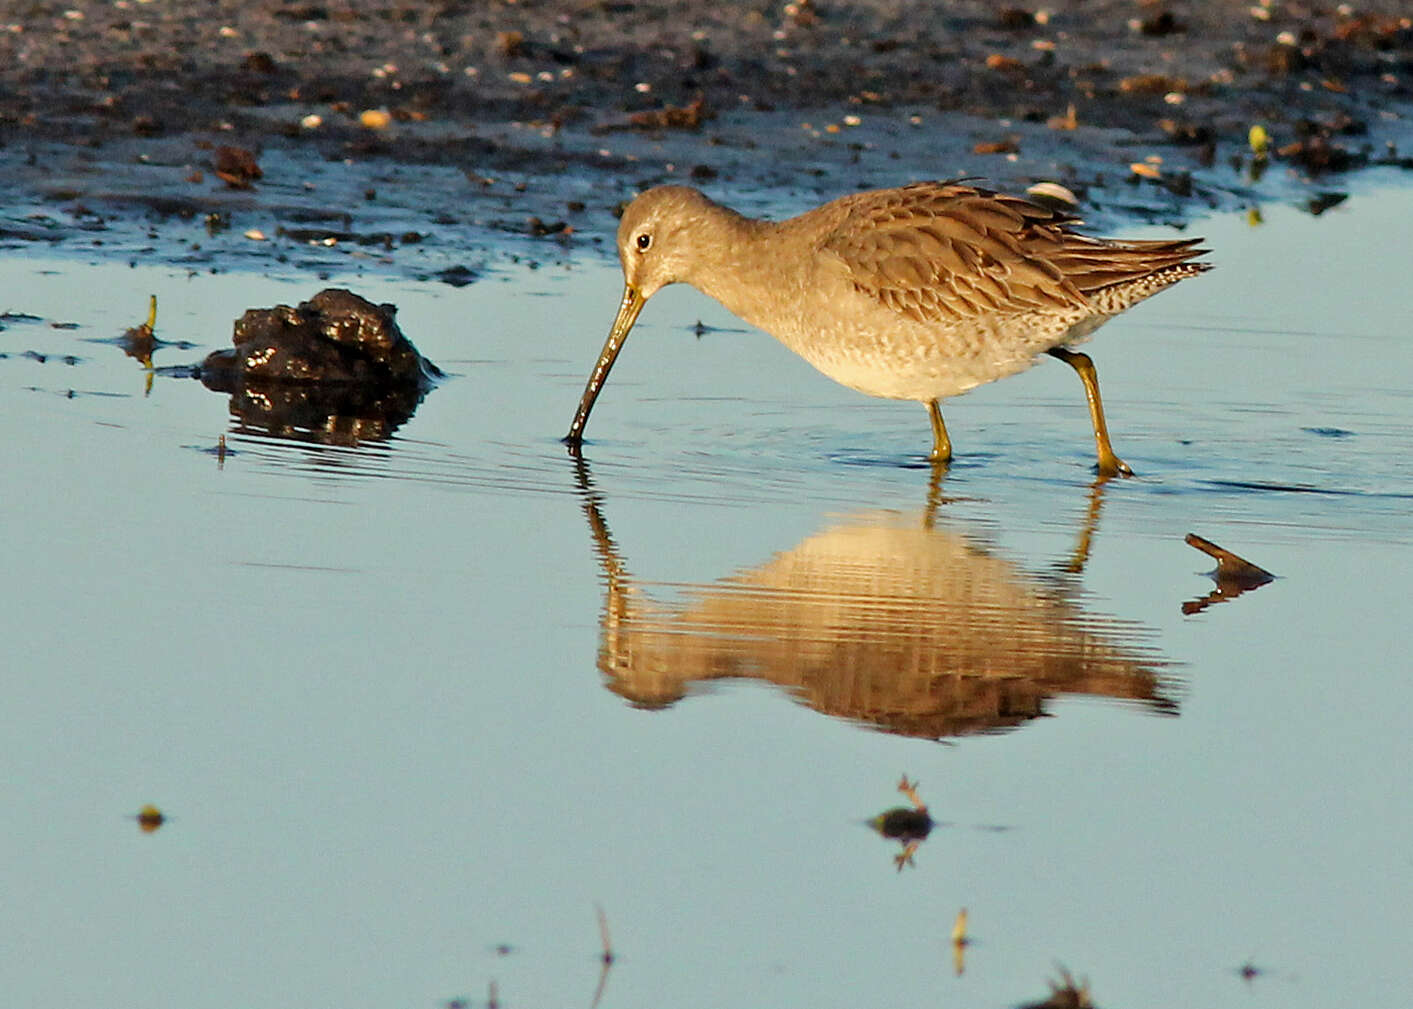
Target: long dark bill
x,y
628,310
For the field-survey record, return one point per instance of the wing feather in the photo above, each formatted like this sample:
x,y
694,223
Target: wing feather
x,y
945,253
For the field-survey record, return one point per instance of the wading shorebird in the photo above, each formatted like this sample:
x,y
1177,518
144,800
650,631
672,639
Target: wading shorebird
x,y
920,292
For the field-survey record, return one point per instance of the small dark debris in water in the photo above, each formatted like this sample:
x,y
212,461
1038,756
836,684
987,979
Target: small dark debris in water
x,y
908,825
1321,202
960,942
220,450
1249,972
700,329
1329,432
903,823
539,229
1067,993
217,221
606,958
35,355
236,166
1234,575
457,276
63,325
139,341
19,317
703,173
504,949
149,819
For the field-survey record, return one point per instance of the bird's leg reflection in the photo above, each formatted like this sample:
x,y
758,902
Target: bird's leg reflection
x,y
935,499
896,622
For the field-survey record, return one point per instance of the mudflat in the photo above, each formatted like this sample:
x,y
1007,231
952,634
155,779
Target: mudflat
x,y
457,126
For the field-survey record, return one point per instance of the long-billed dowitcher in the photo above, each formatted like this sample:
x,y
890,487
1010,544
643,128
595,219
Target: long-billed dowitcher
x,y
920,292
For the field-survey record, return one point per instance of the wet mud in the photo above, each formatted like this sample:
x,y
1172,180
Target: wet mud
x,y
334,369
433,139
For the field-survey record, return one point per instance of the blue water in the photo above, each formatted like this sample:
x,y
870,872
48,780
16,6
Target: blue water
x,y
370,685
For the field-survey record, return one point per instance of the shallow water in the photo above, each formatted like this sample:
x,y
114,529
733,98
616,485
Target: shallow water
x,y
411,700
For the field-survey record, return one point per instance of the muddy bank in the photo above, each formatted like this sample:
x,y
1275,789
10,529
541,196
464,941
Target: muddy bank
x,y
433,138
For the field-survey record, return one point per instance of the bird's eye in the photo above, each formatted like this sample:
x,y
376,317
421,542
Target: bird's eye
x,y
644,240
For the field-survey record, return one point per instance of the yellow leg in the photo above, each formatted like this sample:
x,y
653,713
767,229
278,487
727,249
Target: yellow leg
x,y
1109,464
941,444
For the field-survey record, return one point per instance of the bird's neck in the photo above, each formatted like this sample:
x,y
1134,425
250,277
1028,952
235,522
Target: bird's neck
x,y
732,261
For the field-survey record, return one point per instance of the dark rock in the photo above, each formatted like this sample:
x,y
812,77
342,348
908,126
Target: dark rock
x,y
336,370
334,337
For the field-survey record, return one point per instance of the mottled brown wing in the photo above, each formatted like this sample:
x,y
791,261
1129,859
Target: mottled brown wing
x,y
943,253
947,253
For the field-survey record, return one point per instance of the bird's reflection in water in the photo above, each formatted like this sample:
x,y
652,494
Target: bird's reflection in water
x,y
891,620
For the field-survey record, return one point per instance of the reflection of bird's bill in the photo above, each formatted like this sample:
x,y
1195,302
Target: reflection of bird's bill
x,y
628,310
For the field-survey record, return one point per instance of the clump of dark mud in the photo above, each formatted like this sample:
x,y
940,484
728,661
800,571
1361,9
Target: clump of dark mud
x,y
335,368
335,336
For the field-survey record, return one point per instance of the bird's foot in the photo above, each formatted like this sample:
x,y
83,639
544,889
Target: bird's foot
x,y
1111,465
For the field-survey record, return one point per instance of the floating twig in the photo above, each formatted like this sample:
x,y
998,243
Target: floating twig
x,y
606,958
1234,575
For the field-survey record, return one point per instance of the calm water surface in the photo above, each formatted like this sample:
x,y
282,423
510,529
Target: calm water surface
x,y
410,701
